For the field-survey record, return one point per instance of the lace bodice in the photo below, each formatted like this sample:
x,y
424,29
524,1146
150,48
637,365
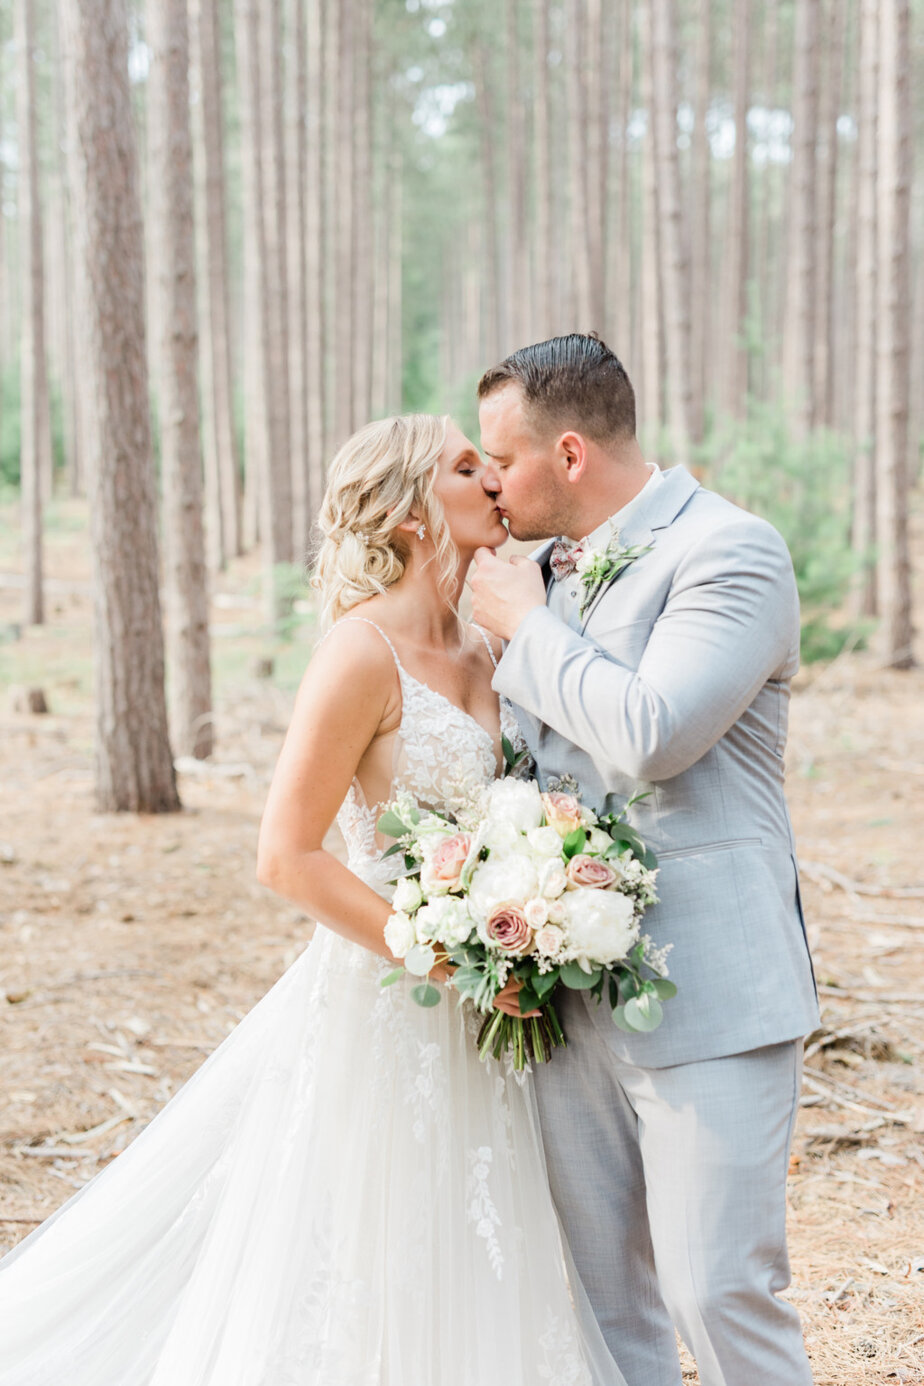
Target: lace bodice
x,y
441,751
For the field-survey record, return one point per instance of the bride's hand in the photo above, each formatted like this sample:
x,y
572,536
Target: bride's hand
x,y
508,1001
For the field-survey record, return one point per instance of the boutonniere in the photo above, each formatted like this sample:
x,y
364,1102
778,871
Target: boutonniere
x,y
599,565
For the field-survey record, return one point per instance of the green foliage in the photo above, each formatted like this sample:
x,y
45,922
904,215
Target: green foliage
x,y
803,487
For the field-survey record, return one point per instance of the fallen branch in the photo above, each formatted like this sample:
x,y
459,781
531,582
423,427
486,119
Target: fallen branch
x,y
869,998
831,1095
819,873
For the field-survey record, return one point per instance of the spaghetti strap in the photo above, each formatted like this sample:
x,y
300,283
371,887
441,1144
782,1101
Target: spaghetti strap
x,y
487,643
366,622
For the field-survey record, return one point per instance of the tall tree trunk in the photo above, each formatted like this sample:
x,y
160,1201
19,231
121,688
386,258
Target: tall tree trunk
x,y
262,460
362,252
516,255
619,240
134,767
174,260
595,170
799,326
651,352
864,374
395,373
274,233
735,383
700,218
222,463
71,389
35,451
296,81
674,265
543,257
894,313
344,244
766,218
582,307
826,194
492,254
315,310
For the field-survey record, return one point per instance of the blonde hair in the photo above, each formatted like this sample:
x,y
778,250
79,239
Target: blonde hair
x,y
380,476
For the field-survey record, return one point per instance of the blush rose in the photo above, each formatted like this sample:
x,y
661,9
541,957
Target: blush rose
x,y
507,928
562,812
590,871
443,867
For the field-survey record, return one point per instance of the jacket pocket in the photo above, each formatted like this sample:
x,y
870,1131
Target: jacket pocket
x,y
710,847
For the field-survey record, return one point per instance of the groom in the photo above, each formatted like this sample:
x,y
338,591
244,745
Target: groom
x,y
668,1151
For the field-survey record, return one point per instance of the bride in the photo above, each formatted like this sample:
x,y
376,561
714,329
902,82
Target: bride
x,y
343,1195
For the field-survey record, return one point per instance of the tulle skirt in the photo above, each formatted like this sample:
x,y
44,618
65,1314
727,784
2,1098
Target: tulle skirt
x,y
342,1195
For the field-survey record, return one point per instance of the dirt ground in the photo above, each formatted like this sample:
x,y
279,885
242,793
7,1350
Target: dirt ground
x,y
129,947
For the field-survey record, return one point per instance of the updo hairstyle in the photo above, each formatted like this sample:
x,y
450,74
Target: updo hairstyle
x,y
380,476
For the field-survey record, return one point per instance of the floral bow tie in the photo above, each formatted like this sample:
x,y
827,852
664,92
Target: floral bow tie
x,y
564,557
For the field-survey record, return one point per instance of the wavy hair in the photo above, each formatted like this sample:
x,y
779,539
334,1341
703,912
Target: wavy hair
x,y
380,476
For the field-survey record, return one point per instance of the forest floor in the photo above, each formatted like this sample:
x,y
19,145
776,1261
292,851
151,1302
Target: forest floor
x,y
130,946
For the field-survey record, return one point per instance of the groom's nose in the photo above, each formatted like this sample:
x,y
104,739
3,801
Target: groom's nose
x,y
490,479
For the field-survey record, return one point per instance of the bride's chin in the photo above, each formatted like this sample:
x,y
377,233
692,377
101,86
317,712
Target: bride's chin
x,y
498,535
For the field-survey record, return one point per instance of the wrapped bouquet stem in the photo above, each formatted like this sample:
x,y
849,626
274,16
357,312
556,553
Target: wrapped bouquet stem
x,y
529,886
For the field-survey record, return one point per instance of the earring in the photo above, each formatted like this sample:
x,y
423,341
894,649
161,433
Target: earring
x,y
421,531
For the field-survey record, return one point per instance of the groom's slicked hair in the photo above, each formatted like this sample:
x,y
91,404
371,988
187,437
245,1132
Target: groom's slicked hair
x,y
570,382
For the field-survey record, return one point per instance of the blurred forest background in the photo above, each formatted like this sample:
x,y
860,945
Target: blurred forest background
x,y
232,233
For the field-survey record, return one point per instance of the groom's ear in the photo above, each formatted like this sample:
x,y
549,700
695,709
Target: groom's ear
x,y
572,450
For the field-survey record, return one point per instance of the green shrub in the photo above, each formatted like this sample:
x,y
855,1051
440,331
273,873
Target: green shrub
x,y
803,487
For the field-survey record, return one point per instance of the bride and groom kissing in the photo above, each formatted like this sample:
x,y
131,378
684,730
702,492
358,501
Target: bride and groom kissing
x,y
344,1194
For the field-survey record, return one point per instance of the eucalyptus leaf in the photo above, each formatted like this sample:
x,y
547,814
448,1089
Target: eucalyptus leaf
x,y
664,989
619,1020
426,994
644,1012
574,976
420,959
393,977
390,825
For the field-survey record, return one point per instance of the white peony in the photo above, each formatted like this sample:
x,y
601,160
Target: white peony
x,y
599,924
552,878
516,802
408,895
545,842
400,933
498,880
598,841
446,920
501,838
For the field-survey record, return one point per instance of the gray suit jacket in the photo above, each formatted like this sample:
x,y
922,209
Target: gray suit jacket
x,y
676,680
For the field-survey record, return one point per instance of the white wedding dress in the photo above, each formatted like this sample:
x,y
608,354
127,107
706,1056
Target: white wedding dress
x,y
342,1195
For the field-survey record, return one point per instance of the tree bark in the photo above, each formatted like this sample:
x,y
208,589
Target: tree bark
x,y
700,219
864,376
222,463
35,436
651,352
582,308
362,252
134,767
174,261
543,252
315,310
343,185
894,312
799,324
826,194
674,264
296,82
736,259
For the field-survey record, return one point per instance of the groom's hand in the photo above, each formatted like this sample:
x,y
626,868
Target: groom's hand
x,y
504,593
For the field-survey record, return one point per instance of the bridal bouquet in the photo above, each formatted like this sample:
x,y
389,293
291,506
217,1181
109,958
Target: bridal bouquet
x,y
529,885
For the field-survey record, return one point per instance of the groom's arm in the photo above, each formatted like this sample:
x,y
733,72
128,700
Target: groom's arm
x,y
731,622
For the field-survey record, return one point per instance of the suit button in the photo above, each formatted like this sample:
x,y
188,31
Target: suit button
x,y
574,591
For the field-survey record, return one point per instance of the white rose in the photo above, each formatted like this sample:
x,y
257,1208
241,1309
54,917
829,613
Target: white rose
x,y
536,911
557,911
501,838
446,920
516,802
549,941
498,880
400,934
408,895
552,878
545,842
599,924
585,561
598,841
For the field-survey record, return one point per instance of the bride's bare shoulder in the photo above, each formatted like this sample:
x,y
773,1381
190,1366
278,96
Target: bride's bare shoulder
x,y
355,648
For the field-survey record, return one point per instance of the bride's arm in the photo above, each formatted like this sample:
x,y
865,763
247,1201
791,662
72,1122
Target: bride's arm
x,y
349,692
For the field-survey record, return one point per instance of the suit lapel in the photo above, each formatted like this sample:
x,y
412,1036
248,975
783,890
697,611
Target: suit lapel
x,y
640,528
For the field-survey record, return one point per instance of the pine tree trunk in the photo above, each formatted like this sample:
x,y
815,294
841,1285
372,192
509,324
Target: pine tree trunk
x,y
581,313
674,266
174,261
543,256
296,81
700,220
71,388
619,273
799,323
651,353
343,184
274,233
495,316
361,278
134,767
764,266
222,463
736,259
516,255
826,194
894,313
314,258
864,375
595,177
35,452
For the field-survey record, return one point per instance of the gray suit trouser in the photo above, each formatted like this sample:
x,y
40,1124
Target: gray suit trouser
x,y
671,1184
